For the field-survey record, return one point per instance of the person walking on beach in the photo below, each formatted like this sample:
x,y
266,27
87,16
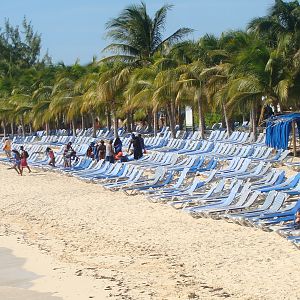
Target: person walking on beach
x,y
101,150
24,155
50,154
142,143
17,161
68,151
137,149
109,152
7,148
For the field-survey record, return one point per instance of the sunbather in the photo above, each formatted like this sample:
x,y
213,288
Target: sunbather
x,y
101,150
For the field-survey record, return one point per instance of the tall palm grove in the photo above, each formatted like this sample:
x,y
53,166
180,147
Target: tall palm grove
x,y
147,77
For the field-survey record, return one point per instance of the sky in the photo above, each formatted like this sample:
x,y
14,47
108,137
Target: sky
x,y
75,29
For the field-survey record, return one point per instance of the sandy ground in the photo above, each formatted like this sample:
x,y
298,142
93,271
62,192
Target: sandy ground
x,y
15,280
108,245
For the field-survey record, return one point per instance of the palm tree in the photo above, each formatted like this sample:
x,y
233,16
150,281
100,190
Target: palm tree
x,y
139,93
195,58
137,39
137,36
249,80
41,114
281,29
216,89
283,19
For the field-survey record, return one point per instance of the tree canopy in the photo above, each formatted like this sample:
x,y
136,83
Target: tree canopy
x,y
150,78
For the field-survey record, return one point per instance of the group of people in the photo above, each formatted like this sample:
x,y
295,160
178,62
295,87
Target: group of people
x,y
18,158
112,149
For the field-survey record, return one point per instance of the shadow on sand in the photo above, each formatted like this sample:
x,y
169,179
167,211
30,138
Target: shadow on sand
x,y
15,281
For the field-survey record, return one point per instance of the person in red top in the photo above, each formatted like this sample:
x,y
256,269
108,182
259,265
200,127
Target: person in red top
x,y
51,156
24,156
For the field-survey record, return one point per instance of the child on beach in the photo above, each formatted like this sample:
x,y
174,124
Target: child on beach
x,y
24,155
17,161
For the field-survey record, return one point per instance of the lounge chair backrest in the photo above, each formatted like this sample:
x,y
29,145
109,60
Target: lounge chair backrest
x,y
181,178
243,197
292,181
276,177
233,193
210,176
194,185
269,200
278,201
216,188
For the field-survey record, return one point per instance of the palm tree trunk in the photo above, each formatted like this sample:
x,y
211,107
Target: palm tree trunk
x,y
261,117
116,121
171,114
180,118
226,119
108,119
93,125
132,121
73,128
155,122
12,128
254,117
150,120
82,122
23,127
129,122
201,115
4,128
47,129
250,120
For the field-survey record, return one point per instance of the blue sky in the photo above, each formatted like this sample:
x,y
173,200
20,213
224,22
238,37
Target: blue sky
x,y
74,29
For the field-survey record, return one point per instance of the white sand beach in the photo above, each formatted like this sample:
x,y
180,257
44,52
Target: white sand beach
x,y
88,243
14,279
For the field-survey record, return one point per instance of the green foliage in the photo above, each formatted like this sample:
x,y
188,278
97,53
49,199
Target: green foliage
x,y
212,118
137,37
221,78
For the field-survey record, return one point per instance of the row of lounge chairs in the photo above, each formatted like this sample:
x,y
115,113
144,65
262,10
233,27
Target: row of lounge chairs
x,y
230,179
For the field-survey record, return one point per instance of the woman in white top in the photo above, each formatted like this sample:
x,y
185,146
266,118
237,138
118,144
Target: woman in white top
x,y
109,152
